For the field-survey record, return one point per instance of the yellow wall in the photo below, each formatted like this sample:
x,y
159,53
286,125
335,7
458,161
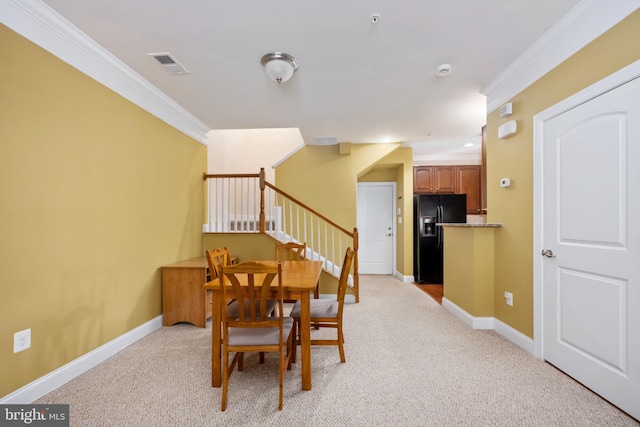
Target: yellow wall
x,y
326,180
469,269
244,246
95,195
513,158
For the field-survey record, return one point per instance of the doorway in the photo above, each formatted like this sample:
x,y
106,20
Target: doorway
x,y
375,213
587,237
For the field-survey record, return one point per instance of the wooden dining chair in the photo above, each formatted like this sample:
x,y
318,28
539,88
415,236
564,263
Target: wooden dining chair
x,y
326,313
291,251
253,330
218,258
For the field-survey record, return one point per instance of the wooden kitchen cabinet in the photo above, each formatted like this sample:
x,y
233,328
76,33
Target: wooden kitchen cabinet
x,y
468,181
434,179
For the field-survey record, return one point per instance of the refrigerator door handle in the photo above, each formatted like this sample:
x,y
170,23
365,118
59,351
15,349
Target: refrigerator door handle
x,y
438,227
441,230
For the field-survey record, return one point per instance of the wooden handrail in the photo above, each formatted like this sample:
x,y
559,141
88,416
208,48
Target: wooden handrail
x,y
310,209
205,176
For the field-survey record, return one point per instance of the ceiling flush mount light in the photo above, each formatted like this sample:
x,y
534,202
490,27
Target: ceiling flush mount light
x,y
279,66
443,70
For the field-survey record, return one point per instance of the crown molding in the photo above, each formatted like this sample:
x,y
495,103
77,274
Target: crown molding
x,y
584,23
40,24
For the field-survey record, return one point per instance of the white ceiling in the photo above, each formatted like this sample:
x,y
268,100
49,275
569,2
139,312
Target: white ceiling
x,y
357,81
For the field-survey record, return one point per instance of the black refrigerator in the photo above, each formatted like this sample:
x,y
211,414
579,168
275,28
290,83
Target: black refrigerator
x,y
428,238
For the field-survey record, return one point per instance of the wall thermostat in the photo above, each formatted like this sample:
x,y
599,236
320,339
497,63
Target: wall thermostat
x,y
505,182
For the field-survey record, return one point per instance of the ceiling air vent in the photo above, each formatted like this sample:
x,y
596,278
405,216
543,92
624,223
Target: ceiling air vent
x,y
169,63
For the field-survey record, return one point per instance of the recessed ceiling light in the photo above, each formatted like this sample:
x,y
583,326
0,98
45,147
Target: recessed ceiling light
x,y
469,144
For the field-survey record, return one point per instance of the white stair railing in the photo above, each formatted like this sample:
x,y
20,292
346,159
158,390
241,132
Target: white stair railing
x,y
246,203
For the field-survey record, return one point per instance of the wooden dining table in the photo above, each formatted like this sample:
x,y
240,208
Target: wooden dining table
x,y
299,280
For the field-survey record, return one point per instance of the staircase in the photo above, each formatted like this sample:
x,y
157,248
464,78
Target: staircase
x,y
247,203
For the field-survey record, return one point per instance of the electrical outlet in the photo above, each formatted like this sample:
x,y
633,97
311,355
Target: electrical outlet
x,y
21,340
508,296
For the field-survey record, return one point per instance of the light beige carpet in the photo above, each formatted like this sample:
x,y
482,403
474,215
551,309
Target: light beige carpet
x,y
409,363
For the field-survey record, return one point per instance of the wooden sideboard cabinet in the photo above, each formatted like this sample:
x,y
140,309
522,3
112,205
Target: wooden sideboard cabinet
x,y
184,298
434,179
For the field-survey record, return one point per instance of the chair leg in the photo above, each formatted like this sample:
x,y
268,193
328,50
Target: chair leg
x,y
341,344
225,379
227,370
281,369
294,337
289,350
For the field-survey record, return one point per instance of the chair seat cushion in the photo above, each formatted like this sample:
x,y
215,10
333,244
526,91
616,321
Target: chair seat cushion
x,y
259,336
325,308
233,309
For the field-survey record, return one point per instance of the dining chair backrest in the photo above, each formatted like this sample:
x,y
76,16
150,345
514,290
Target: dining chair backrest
x,y
327,313
215,259
251,329
344,279
291,251
252,284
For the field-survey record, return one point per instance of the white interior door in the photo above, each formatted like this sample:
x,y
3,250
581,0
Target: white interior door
x,y
591,226
376,227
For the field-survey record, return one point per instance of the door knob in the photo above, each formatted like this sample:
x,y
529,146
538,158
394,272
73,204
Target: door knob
x,y
548,253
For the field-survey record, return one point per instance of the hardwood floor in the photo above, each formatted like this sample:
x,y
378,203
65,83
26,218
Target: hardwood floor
x,y
434,291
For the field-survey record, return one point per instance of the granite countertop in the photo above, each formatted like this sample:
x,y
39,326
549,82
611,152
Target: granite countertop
x,y
469,225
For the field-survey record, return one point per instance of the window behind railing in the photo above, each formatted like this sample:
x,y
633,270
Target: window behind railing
x,y
248,204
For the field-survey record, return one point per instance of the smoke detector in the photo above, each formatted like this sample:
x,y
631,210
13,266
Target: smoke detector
x,y
443,70
170,64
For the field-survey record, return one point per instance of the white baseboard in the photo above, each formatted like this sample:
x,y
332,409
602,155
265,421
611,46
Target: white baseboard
x,y
511,334
404,279
515,336
466,318
46,384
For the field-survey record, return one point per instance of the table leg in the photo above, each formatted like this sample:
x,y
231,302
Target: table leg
x,y
216,377
305,339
